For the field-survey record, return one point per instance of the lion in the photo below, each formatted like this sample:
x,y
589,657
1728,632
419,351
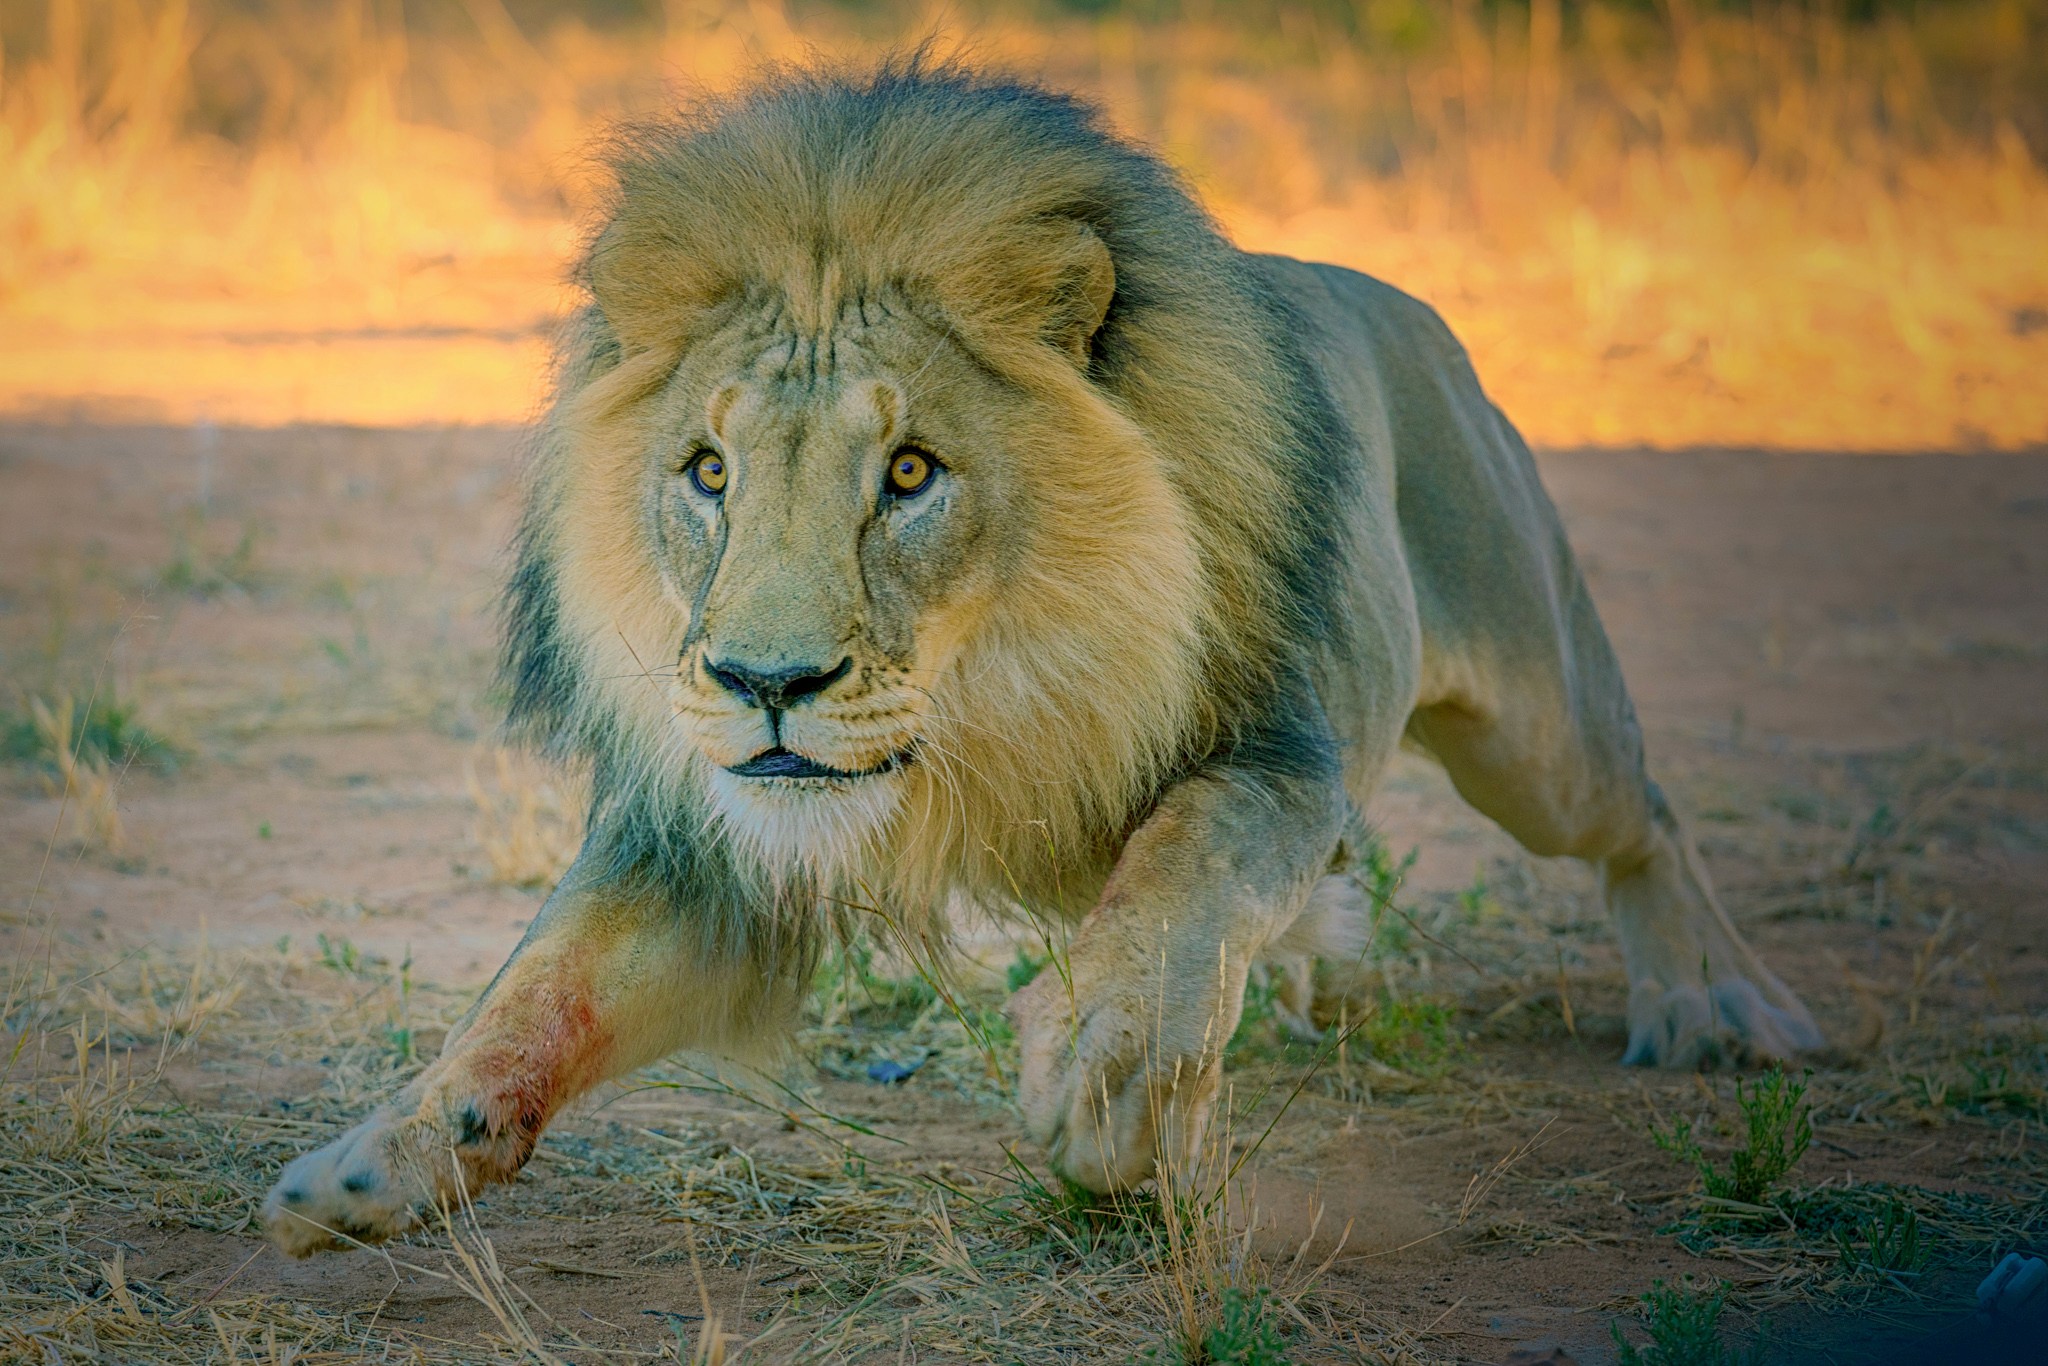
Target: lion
x,y
936,507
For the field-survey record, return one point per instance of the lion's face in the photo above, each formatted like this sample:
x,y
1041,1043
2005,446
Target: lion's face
x,y
819,509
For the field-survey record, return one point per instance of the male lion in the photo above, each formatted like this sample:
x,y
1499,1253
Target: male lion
x,y
935,505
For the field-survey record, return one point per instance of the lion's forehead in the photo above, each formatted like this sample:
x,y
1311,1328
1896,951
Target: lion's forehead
x,y
821,340
802,383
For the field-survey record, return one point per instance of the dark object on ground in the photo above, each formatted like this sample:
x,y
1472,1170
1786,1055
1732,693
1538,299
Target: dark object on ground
x,y
1539,1355
2009,1328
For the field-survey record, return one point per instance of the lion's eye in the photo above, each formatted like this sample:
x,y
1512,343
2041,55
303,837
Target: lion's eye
x,y
910,472
708,473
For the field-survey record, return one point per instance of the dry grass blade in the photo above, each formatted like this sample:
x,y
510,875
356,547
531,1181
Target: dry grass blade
x,y
1674,226
529,836
87,787
474,1269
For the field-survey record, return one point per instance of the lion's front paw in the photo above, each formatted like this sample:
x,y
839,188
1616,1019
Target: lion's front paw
x,y
1115,1079
1729,1021
361,1188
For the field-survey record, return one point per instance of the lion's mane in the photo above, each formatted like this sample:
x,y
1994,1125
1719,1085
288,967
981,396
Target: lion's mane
x,y
1173,611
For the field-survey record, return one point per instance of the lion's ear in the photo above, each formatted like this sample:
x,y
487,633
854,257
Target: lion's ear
x,y
1081,300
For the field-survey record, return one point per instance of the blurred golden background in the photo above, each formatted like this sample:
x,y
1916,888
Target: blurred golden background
x,y
1665,223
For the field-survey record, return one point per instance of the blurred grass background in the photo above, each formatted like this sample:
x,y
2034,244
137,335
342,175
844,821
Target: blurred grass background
x,y
1799,225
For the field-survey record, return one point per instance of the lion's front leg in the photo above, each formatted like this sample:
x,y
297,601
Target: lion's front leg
x,y
608,978
1122,1054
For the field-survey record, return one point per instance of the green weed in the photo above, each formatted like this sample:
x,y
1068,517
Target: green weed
x,y
1158,1229
204,574
1381,878
1076,1219
1412,1034
1684,1324
1246,1334
849,988
1887,1243
1476,901
2006,1082
1257,1034
1778,1127
341,955
103,731
1023,969
398,1033
357,656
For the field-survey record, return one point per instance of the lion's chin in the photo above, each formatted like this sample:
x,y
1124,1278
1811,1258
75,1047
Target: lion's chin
x,y
818,829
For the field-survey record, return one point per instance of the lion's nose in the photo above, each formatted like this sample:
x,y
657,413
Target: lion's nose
x,y
775,689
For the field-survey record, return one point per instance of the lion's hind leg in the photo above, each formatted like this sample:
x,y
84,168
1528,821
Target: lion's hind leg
x,y
1541,737
1698,994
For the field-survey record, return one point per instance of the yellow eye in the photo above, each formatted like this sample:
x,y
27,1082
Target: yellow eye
x,y
910,471
708,473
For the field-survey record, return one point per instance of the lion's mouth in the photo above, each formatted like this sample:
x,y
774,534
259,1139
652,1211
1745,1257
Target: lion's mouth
x,y
786,763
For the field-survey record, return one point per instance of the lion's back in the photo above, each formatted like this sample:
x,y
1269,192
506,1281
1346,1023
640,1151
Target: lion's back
x,y
1453,506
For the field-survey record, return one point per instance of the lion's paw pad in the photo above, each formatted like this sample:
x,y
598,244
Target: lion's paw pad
x,y
341,1195
1729,1021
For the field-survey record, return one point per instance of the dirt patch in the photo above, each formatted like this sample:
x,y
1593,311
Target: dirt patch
x,y
1839,664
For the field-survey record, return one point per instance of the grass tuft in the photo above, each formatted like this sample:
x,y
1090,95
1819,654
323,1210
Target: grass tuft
x,y
94,729
85,785
528,833
1247,1334
204,573
1778,1126
1886,1244
1684,1326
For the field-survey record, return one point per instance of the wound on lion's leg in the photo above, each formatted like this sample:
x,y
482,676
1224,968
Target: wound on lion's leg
x,y
537,1042
575,1005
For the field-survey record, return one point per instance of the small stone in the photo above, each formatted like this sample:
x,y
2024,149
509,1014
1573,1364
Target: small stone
x,y
889,1072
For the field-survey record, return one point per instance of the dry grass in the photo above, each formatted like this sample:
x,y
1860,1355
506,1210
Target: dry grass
x,y
529,834
124,1117
85,785
1772,226
873,1245
99,1138
98,1131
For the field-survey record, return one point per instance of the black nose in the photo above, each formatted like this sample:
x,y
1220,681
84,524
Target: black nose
x,y
776,689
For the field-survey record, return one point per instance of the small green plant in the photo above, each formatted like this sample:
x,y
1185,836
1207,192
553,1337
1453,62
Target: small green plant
x,y
1779,1127
101,731
195,570
1475,901
1413,1034
1245,1334
1992,1086
1381,878
1256,1034
398,1034
1023,969
357,656
1684,1324
340,954
1889,1241
849,987
1077,1218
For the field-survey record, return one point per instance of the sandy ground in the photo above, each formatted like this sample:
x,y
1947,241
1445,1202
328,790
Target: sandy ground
x,y
1841,666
